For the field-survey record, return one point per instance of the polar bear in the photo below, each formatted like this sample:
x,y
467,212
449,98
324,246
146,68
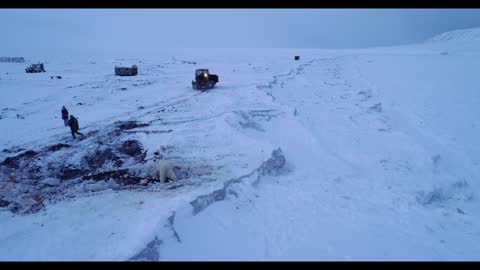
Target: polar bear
x,y
164,171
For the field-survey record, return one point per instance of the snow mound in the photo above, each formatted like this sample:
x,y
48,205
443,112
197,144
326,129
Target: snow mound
x,y
464,40
462,35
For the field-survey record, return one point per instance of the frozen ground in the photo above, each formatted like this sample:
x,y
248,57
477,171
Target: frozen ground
x,y
365,154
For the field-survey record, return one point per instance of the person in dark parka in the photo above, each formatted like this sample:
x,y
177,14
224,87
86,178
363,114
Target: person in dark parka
x,y
65,115
73,123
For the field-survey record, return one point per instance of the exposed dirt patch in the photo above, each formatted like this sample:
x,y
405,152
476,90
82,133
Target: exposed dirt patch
x,y
100,157
131,147
71,173
130,125
14,162
57,147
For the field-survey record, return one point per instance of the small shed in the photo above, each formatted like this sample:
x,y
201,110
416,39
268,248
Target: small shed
x,y
35,68
126,71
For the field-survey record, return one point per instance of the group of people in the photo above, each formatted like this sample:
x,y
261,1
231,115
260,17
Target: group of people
x,y
72,122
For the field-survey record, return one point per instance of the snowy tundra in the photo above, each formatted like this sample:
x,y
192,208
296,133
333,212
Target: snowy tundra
x,y
368,154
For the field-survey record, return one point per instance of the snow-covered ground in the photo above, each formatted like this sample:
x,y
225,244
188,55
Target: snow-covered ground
x,y
382,161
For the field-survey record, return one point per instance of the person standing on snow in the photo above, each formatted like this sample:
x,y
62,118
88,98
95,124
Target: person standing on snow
x,y
65,115
73,123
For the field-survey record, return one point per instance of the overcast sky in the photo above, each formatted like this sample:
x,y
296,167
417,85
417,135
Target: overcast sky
x,y
59,29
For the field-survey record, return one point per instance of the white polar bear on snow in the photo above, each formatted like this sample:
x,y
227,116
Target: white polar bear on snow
x,y
164,171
